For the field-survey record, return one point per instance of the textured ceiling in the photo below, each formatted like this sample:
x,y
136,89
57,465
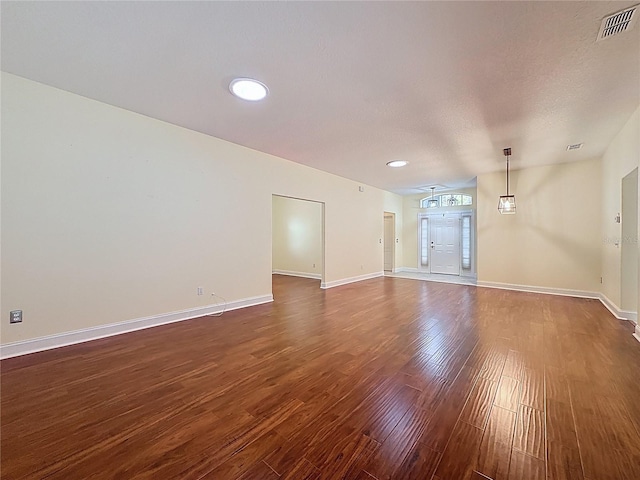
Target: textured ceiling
x,y
353,85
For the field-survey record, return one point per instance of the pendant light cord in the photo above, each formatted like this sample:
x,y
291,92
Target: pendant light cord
x,y
507,153
507,175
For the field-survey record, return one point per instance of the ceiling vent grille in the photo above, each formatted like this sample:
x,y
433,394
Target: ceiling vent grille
x,y
617,23
575,146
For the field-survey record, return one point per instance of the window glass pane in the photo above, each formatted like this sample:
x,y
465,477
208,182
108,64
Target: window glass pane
x,y
424,243
452,200
466,242
446,200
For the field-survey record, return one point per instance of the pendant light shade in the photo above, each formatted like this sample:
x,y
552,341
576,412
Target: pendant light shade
x,y
507,203
432,202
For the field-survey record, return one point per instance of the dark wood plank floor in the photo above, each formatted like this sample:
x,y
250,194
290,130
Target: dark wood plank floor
x,y
387,378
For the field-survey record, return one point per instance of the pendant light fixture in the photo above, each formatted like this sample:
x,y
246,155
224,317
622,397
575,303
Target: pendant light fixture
x,y
432,202
507,203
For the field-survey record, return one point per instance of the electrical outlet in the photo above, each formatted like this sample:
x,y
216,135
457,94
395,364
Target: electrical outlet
x,y
15,316
200,291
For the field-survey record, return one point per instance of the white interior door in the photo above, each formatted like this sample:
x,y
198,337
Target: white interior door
x,y
444,245
389,241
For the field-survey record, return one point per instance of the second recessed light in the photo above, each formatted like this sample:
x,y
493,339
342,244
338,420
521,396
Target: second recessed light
x,y
248,89
397,163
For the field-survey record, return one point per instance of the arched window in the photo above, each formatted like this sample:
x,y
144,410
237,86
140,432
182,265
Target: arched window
x,y
446,200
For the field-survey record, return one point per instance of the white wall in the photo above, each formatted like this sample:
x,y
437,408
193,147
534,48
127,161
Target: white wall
x,y
619,160
554,239
109,216
297,237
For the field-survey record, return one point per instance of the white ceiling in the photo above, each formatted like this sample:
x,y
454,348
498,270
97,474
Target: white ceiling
x,y
444,85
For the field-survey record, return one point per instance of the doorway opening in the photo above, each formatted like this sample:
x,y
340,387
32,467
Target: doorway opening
x,y
446,243
389,242
297,238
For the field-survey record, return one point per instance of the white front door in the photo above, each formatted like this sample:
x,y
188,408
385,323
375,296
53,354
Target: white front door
x,y
389,241
443,243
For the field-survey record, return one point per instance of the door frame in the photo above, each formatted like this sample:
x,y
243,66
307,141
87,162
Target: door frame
x,y
322,229
629,300
460,213
393,241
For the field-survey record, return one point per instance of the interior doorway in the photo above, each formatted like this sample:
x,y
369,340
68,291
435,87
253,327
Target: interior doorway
x,y
389,241
629,249
297,237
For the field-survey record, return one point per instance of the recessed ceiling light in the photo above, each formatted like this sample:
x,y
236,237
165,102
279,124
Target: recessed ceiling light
x,y
397,163
248,89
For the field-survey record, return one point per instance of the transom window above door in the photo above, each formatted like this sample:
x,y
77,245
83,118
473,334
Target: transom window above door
x,y
446,200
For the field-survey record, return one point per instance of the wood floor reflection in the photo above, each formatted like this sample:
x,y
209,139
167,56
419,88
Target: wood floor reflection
x,y
383,379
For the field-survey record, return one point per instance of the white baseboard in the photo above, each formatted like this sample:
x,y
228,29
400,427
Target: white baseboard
x,y
637,334
406,269
617,311
344,281
316,276
612,307
534,289
93,333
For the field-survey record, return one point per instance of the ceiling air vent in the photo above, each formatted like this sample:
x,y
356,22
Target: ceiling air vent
x,y
617,23
575,146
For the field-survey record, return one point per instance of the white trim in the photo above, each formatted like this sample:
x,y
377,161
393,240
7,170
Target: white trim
x,y
612,307
617,311
316,276
406,269
391,272
545,290
394,240
637,334
344,281
48,342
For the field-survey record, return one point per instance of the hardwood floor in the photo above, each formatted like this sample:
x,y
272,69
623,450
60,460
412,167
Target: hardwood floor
x,y
383,379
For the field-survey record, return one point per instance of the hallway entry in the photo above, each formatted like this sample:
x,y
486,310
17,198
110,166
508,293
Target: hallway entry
x,y
297,237
389,241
